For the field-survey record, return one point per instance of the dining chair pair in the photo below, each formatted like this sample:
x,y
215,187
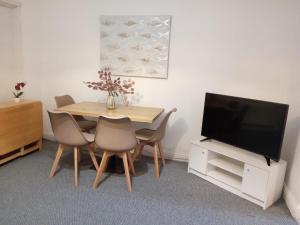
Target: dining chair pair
x,y
114,136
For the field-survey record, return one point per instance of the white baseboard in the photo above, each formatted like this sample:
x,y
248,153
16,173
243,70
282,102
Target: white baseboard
x,y
169,155
49,136
291,203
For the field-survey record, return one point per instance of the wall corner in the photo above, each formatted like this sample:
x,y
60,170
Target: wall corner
x,y
291,203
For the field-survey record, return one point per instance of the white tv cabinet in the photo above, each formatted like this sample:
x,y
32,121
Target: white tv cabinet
x,y
241,172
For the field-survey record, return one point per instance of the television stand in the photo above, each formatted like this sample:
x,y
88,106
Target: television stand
x,y
241,172
205,139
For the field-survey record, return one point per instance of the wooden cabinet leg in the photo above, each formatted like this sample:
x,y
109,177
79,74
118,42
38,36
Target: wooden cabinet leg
x,y
40,144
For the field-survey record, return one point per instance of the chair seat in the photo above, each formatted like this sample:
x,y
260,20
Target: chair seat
x,y
144,134
89,137
86,125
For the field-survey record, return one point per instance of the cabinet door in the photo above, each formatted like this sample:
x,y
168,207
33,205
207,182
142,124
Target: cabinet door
x,y
198,159
255,182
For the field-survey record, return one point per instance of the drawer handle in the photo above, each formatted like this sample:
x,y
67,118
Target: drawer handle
x,y
248,170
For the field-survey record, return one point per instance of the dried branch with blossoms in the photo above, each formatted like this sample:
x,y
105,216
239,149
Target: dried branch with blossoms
x,y
114,87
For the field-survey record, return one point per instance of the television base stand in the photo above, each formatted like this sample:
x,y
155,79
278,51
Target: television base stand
x,y
205,139
236,170
268,161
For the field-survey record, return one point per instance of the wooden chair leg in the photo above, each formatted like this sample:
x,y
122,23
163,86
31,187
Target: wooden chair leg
x,y
56,160
79,155
138,151
101,169
125,162
155,155
131,166
142,148
76,153
106,164
93,157
93,146
162,155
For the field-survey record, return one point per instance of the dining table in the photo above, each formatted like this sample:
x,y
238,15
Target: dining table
x,y
140,114
95,109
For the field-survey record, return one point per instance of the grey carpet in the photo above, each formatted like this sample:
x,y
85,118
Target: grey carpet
x,y
28,197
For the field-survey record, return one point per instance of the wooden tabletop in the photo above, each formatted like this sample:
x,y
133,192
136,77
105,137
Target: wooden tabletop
x,y
95,109
7,104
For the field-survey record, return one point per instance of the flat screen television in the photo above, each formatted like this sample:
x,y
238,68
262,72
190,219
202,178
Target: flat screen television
x,y
254,125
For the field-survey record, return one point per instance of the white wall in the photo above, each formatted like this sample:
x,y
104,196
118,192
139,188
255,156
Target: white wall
x,y
243,48
234,48
31,42
292,141
9,52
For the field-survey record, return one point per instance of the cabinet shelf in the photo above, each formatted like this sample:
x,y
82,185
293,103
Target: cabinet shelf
x,y
226,178
229,165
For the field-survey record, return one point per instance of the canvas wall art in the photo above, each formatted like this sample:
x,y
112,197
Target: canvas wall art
x,y
135,45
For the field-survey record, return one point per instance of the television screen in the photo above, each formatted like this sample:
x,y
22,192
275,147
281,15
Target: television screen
x,y
254,125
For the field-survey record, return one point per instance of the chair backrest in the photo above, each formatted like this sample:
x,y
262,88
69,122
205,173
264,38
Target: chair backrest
x,y
66,129
115,134
64,100
161,130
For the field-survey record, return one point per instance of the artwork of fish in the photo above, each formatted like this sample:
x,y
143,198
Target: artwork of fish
x,y
130,23
103,57
162,58
166,22
124,35
165,35
129,70
155,23
104,34
123,59
160,48
153,71
135,45
146,35
113,46
145,60
107,23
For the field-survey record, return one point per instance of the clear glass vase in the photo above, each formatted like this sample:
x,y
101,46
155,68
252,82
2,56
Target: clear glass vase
x,y
110,102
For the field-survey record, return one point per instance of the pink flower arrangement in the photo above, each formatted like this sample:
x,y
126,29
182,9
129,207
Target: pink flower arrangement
x,y
114,87
18,89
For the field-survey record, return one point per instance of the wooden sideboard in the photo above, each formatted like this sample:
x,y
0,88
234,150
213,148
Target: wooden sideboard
x,y
21,128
